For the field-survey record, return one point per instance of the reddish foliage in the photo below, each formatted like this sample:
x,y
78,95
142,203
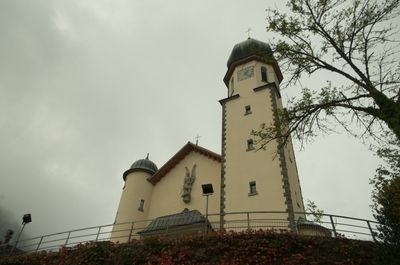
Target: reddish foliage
x,y
226,248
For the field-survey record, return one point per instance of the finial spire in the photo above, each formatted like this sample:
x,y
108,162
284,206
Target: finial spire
x,y
197,139
147,157
248,32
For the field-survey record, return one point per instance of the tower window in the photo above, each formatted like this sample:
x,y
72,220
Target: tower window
x,y
232,87
141,206
264,74
250,145
247,110
253,188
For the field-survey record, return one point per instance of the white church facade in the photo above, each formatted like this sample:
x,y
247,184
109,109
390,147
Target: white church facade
x,y
243,179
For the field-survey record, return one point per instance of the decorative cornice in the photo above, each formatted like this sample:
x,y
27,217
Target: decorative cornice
x,y
223,101
179,156
265,86
271,85
129,171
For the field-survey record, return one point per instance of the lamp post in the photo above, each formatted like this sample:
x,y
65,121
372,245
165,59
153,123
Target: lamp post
x,y
207,191
25,220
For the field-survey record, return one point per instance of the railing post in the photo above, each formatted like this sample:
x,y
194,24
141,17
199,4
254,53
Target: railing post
x,y
206,219
40,242
248,221
98,233
130,232
372,232
66,240
333,226
205,226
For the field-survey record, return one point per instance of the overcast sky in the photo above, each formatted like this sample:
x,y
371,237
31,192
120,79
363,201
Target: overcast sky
x,y
88,87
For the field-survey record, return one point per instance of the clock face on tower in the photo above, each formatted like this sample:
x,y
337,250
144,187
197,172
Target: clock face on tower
x,y
245,73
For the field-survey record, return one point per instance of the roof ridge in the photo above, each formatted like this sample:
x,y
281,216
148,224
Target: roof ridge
x,y
175,159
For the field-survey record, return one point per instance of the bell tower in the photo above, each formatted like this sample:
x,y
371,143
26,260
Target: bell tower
x,y
251,180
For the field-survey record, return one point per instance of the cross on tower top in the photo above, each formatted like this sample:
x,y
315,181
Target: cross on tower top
x,y
197,139
248,32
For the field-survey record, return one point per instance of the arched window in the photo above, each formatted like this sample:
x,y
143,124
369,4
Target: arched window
x,y
264,74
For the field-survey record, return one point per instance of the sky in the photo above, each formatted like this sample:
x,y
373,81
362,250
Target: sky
x,y
87,87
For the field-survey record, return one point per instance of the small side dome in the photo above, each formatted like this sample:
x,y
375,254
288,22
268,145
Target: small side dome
x,y
247,48
145,165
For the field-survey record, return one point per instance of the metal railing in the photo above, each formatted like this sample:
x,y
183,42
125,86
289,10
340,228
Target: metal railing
x,y
327,225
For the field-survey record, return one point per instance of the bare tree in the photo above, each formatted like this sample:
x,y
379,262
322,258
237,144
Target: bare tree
x,y
354,40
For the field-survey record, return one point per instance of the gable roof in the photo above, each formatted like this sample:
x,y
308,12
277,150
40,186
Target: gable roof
x,y
179,156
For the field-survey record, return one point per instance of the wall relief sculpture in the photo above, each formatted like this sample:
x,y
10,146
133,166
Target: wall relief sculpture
x,y
188,183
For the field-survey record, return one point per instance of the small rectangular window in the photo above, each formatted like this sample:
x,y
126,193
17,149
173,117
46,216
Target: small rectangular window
x,y
264,74
247,110
250,145
253,188
141,206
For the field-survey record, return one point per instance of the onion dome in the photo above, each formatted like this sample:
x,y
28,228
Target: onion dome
x,y
248,48
144,165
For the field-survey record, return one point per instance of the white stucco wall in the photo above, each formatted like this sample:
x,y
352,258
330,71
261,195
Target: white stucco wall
x,y
167,193
263,167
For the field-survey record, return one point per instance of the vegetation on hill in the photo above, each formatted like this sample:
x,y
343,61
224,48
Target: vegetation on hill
x,y
386,199
216,248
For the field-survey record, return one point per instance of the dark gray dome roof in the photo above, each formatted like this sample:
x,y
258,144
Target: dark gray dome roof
x,y
142,165
247,48
145,164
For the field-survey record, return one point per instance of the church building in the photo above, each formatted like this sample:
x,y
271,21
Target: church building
x,y
245,181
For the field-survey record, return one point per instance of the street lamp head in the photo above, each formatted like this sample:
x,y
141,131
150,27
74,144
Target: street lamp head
x,y
207,189
26,218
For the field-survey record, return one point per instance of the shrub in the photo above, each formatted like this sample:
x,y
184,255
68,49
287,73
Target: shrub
x,y
251,247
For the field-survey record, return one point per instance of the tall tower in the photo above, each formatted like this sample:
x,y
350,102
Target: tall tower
x,y
255,180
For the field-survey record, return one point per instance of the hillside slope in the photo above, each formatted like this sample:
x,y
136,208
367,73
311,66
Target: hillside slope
x,y
227,248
